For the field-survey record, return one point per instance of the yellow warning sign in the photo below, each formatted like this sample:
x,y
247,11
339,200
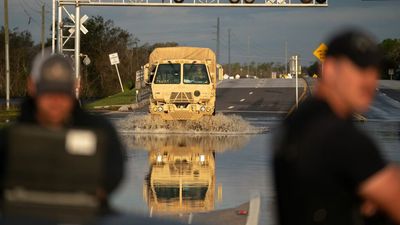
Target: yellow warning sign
x,y
320,52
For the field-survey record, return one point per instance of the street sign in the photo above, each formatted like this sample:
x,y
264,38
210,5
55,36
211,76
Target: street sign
x,y
82,28
320,52
114,59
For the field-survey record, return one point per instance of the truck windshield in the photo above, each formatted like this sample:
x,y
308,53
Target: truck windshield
x,y
168,74
195,74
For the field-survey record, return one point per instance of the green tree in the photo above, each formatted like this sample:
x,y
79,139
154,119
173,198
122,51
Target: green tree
x,y
22,51
391,53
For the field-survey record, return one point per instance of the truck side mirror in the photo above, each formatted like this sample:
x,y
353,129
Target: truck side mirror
x,y
220,72
151,77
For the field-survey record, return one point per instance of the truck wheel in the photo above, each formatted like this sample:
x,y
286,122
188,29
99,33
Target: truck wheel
x,y
249,1
178,1
234,1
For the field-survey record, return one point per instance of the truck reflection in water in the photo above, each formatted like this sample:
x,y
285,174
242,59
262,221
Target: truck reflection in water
x,y
181,178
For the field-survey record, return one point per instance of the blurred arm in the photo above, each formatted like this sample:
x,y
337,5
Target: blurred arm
x,y
383,190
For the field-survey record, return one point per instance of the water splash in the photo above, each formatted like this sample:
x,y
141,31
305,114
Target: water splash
x,y
219,124
217,143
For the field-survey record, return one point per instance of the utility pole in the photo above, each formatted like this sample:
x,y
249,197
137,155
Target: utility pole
x,y
7,53
53,27
229,52
43,28
137,54
218,41
296,64
286,60
59,29
77,46
248,55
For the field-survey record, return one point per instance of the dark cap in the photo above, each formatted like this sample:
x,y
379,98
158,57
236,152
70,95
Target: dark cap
x,y
56,75
358,46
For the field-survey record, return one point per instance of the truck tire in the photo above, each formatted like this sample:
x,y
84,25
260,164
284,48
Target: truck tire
x,y
178,1
249,1
234,1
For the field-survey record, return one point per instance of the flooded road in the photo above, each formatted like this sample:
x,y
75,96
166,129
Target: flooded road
x,y
175,175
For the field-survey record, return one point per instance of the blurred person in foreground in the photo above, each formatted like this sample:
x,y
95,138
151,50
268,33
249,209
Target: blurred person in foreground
x,y
327,171
51,104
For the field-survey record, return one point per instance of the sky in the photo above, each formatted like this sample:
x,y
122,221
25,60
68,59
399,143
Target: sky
x,y
266,29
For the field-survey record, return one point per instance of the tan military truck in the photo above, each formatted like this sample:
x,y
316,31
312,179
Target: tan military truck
x,y
182,82
181,180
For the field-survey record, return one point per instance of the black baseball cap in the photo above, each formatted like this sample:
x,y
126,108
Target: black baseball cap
x,y
56,75
358,46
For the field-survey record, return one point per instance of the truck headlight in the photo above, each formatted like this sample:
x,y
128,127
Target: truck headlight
x,y
159,158
160,109
202,158
203,108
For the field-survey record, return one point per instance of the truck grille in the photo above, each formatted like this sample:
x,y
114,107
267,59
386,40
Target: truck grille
x,y
181,97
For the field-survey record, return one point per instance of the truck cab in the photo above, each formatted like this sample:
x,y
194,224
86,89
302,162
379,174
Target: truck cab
x,y
182,88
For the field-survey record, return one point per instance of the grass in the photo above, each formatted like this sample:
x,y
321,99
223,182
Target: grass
x,y
122,98
9,115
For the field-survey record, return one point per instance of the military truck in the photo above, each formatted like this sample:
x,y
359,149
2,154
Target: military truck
x,y
182,82
181,179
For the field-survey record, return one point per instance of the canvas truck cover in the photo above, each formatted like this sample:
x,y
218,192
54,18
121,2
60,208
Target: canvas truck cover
x,y
190,53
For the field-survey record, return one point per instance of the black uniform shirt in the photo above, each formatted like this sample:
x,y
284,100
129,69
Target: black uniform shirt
x,y
320,160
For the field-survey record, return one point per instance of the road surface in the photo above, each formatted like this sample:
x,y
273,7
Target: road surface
x,y
268,96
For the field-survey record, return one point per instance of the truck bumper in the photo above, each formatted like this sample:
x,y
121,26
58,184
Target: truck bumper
x,y
190,112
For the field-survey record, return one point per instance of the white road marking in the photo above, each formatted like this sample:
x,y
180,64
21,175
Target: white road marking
x,y
190,218
250,93
254,211
231,107
242,100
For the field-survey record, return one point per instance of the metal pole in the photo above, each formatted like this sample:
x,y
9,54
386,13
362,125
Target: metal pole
x,y
137,54
43,28
53,28
59,29
218,39
286,59
119,78
7,53
248,55
296,58
77,45
229,52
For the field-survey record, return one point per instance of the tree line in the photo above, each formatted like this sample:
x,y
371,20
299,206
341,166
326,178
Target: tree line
x,y
99,78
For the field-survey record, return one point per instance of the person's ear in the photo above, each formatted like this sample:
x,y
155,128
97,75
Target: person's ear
x,y
31,87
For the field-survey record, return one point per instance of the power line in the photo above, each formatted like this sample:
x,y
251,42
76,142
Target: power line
x,y
32,8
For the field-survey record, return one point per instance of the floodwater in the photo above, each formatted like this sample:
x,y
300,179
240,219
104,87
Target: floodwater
x,y
213,171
